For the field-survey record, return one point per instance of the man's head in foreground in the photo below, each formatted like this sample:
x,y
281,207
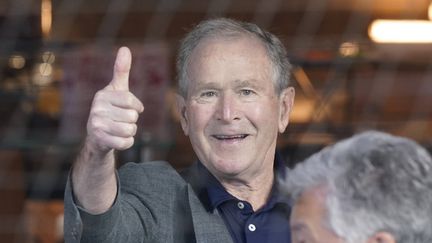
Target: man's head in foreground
x,y
234,96
370,188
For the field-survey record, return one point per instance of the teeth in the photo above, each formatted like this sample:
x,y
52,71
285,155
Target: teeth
x,y
230,136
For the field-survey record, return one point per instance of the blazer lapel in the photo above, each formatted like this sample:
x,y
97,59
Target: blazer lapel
x,y
207,223
208,226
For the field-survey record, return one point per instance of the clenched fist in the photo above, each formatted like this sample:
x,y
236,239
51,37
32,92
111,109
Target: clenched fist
x,y
114,111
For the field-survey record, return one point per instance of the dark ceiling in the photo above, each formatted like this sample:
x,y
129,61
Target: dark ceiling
x,y
384,86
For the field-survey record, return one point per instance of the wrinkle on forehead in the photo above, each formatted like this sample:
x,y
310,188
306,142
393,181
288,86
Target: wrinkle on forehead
x,y
209,46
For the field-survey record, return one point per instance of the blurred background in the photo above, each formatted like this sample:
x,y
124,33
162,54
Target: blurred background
x,y
358,65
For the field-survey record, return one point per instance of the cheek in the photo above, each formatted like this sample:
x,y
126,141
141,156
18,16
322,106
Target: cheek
x,y
263,113
199,117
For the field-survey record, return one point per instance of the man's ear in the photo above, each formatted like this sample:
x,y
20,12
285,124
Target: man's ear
x,y
382,237
286,100
181,109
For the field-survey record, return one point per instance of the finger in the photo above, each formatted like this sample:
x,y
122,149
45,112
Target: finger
x,y
118,129
119,114
113,135
125,100
128,101
122,66
118,143
115,142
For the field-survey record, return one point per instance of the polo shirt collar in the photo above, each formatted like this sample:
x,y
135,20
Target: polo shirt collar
x,y
217,194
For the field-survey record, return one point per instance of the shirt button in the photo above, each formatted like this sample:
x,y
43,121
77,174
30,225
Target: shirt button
x,y
240,205
251,227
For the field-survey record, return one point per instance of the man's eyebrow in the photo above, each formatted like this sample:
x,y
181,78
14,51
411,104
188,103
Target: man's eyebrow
x,y
204,85
247,83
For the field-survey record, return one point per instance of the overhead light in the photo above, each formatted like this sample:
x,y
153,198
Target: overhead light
x,y
48,57
42,74
46,17
45,69
401,31
349,49
430,11
17,61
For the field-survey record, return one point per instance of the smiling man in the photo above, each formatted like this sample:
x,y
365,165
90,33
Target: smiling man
x,y
234,99
371,188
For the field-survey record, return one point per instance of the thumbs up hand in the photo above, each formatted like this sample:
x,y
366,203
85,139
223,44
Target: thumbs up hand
x,y
122,67
114,111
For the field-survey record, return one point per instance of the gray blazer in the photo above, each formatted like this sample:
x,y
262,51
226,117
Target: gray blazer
x,y
154,204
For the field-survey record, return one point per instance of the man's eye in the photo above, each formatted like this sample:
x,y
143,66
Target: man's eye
x,y
208,94
246,92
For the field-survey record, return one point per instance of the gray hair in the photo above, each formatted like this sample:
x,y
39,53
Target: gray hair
x,y
222,27
375,182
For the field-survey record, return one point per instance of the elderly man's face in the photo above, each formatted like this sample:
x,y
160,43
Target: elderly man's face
x,y
232,113
308,223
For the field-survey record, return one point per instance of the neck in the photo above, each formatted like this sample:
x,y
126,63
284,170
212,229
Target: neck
x,y
256,191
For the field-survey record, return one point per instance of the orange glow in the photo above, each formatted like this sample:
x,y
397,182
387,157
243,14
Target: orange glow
x,y
430,11
46,17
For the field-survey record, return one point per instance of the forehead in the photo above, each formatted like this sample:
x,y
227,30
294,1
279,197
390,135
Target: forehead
x,y
238,55
242,44
308,218
310,206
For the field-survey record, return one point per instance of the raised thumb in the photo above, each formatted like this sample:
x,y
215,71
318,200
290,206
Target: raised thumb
x,y
122,65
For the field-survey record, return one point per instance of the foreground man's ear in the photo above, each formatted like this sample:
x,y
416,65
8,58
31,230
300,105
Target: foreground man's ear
x,y
286,105
181,109
382,237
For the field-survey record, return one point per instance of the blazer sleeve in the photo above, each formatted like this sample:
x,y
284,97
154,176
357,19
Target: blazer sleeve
x,y
111,226
143,210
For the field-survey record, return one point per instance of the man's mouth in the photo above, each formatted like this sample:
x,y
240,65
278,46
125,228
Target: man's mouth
x,y
230,137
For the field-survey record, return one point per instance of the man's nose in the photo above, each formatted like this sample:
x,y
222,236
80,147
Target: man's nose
x,y
228,109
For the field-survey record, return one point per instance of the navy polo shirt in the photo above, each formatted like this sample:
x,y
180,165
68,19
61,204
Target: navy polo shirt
x,y
268,224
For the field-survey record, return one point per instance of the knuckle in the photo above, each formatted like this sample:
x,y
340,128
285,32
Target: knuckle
x,y
91,126
126,115
97,125
134,129
126,143
127,130
131,100
128,99
99,95
133,115
98,109
130,142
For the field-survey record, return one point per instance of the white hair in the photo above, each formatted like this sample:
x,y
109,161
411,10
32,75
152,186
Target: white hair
x,y
376,182
223,27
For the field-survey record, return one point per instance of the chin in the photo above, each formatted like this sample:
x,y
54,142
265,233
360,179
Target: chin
x,y
229,167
